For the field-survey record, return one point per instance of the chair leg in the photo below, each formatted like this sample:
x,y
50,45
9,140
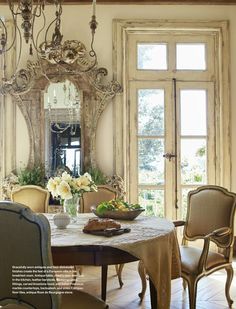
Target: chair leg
x,y
119,269
184,283
192,290
229,279
80,270
74,277
142,274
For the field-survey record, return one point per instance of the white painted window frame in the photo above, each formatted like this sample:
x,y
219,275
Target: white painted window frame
x,y
220,29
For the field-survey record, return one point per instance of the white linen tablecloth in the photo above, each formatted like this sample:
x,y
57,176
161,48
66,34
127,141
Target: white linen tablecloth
x,y
152,240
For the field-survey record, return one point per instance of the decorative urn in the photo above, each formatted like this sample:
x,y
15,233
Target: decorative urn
x,y
61,220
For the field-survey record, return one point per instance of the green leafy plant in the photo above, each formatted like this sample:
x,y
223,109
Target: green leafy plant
x,y
97,175
32,176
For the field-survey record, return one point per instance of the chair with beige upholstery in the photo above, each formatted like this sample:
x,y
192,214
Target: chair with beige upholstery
x,y
32,196
104,193
210,216
25,242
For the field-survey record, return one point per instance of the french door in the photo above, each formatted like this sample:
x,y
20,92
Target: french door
x,y
171,124
171,143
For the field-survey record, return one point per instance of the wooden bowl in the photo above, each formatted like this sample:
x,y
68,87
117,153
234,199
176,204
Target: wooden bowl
x,y
118,215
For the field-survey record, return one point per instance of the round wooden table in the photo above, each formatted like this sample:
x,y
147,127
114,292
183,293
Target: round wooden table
x,y
72,247
92,255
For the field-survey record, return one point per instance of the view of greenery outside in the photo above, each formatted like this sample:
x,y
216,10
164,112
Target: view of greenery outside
x,y
151,163
151,124
153,202
151,134
152,56
151,112
193,161
151,149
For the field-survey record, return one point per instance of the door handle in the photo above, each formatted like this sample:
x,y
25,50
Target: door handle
x,y
169,156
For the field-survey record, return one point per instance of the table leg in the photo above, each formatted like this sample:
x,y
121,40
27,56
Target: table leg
x,y
153,294
104,282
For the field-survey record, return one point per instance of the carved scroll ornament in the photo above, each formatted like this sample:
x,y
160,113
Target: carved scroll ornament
x,y
69,62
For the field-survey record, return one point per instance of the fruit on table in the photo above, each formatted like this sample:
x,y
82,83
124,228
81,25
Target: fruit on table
x,y
116,205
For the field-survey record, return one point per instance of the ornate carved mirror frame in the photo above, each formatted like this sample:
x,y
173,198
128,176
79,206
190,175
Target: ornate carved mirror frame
x,y
28,86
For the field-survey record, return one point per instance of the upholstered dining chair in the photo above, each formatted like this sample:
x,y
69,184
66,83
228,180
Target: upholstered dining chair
x,y
25,241
104,193
32,196
210,216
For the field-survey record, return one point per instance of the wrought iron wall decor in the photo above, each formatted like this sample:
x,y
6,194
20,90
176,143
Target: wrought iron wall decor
x,y
43,40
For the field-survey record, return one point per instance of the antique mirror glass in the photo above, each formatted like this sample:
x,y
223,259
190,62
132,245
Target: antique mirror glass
x,y
62,109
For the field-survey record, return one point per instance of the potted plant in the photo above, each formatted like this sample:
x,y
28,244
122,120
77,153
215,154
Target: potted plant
x,y
32,176
97,175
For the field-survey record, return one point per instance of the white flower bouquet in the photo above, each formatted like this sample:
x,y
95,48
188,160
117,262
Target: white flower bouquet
x,y
68,189
65,186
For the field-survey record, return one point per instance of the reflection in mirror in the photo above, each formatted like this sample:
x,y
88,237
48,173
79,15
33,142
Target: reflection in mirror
x,y
62,103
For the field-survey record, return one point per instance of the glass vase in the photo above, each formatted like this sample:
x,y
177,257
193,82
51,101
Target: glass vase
x,y
71,206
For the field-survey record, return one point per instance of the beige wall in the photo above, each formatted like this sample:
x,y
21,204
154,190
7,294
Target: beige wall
x,y
75,26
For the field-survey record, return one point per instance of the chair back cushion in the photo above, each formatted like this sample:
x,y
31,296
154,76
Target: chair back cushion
x,y
34,197
24,242
210,208
104,193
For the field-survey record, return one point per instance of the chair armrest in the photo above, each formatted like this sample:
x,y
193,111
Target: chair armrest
x,y
179,223
221,232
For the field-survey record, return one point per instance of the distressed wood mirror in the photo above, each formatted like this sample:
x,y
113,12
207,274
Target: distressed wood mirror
x,y
74,65
63,134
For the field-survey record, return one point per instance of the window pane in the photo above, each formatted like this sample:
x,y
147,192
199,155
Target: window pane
x,y
151,162
152,201
193,112
64,141
152,56
151,112
75,141
77,162
193,161
70,158
190,56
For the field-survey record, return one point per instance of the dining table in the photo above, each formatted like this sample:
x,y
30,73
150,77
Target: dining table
x,y
151,240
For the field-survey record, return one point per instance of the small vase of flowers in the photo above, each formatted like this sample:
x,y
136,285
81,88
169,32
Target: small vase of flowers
x,y
69,190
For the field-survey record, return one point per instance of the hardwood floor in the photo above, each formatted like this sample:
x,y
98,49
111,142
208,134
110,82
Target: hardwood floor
x,y
210,290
